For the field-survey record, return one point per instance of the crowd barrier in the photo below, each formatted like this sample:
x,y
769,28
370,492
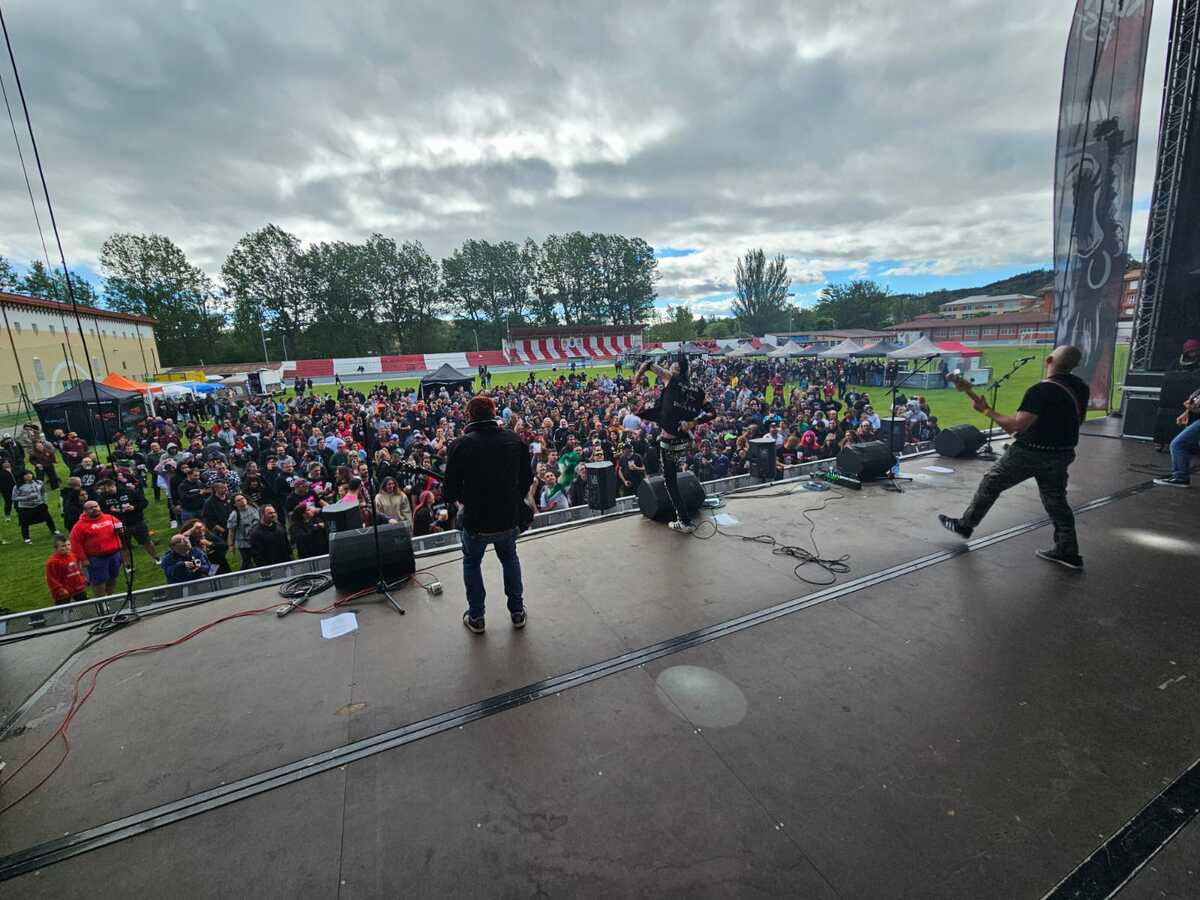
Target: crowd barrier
x,y
52,619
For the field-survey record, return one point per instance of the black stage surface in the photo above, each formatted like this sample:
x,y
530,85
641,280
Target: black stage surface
x,y
950,724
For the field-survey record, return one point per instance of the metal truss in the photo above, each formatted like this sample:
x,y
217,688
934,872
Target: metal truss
x,y
1181,91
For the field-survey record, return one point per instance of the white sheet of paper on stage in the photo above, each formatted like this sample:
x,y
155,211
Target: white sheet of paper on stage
x,y
336,626
941,470
724,519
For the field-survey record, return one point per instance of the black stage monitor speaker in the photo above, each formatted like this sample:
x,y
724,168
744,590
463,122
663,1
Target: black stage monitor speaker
x,y
655,502
762,458
959,441
601,485
343,515
352,556
866,461
887,426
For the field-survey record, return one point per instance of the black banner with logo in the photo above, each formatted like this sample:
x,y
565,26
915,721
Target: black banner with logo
x,y
1093,178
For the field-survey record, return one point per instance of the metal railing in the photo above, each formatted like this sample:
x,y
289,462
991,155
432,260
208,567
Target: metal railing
x,y
52,619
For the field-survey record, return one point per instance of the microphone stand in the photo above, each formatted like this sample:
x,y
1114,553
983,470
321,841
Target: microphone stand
x,y
382,587
896,385
987,451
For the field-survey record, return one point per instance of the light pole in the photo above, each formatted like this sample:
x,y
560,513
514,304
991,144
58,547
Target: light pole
x,y
263,333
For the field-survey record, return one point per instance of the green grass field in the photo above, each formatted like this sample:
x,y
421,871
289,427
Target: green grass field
x,y
24,585
953,407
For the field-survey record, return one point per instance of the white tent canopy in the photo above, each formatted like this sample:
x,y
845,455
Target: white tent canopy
x,y
791,348
747,350
841,351
919,349
175,389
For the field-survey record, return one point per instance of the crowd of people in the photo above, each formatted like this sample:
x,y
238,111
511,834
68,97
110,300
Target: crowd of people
x,y
245,481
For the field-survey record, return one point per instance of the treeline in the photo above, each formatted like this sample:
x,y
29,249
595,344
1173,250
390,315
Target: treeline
x,y
344,299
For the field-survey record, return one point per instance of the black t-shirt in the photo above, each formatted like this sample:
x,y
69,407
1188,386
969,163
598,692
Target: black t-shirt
x,y
1060,408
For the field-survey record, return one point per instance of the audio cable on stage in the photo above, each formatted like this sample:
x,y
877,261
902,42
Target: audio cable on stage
x,y
833,566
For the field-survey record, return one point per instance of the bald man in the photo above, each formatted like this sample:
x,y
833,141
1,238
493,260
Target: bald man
x,y
1046,430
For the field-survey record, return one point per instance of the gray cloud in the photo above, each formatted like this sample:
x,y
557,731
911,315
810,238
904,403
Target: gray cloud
x,y
838,134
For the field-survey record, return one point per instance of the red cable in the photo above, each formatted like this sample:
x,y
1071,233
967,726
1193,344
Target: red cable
x,y
78,700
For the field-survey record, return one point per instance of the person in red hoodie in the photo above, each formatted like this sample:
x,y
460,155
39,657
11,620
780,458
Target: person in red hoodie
x,y
63,575
97,540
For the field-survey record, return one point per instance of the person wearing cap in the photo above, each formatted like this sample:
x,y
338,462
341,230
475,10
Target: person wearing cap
x,y
488,472
1187,442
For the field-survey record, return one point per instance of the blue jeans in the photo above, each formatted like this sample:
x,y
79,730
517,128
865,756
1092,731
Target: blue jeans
x,y
1185,443
474,546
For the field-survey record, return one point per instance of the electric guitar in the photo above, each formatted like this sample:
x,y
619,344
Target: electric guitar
x,y
525,508
962,385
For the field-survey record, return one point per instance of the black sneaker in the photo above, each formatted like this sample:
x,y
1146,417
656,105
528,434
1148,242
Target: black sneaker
x,y
1173,481
1074,563
473,625
956,526
519,618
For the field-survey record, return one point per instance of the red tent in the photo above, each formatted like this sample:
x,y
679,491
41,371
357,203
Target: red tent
x,y
959,349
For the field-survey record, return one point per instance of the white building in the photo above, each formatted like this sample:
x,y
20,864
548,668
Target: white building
x,y
984,304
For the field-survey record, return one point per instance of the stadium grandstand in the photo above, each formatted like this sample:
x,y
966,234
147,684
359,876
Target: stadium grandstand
x,y
540,345
523,347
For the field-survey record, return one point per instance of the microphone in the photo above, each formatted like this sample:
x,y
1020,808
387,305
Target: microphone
x,y
1026,359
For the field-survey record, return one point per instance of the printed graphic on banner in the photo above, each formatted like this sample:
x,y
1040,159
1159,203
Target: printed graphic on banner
x,y
1093,179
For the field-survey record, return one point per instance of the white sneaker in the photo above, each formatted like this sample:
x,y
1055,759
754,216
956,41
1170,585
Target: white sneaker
x,y
29,540
682,527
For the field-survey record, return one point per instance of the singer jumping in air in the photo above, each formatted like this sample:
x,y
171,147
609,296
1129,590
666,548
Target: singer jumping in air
x,y
1046,430
681,406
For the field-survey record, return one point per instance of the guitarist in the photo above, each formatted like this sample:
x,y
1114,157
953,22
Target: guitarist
x,y
1046,431
488,472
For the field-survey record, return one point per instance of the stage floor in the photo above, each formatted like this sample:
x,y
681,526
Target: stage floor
x,y
951,724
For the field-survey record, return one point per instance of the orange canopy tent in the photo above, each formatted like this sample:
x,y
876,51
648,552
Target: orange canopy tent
x,y
120,382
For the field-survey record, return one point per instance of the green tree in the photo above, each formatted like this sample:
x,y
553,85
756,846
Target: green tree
x,y
624,271
264,277
543,299
721,328
859,304
49,284
406,284
809,319
570,274
9,280
678,324
338,289
487,282
149,275
761,303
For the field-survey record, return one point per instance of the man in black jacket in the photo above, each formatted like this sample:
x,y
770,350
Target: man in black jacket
x,y
268,541
125,499
488,471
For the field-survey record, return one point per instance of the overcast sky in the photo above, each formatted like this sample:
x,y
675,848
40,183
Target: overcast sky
x,y
911,141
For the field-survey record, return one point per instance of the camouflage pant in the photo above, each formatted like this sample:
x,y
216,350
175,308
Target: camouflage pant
x,y
1050,470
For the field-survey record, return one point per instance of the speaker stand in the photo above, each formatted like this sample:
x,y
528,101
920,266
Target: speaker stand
x,y
384,589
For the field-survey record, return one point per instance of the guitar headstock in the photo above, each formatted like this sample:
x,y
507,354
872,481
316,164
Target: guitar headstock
x,y
956,379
